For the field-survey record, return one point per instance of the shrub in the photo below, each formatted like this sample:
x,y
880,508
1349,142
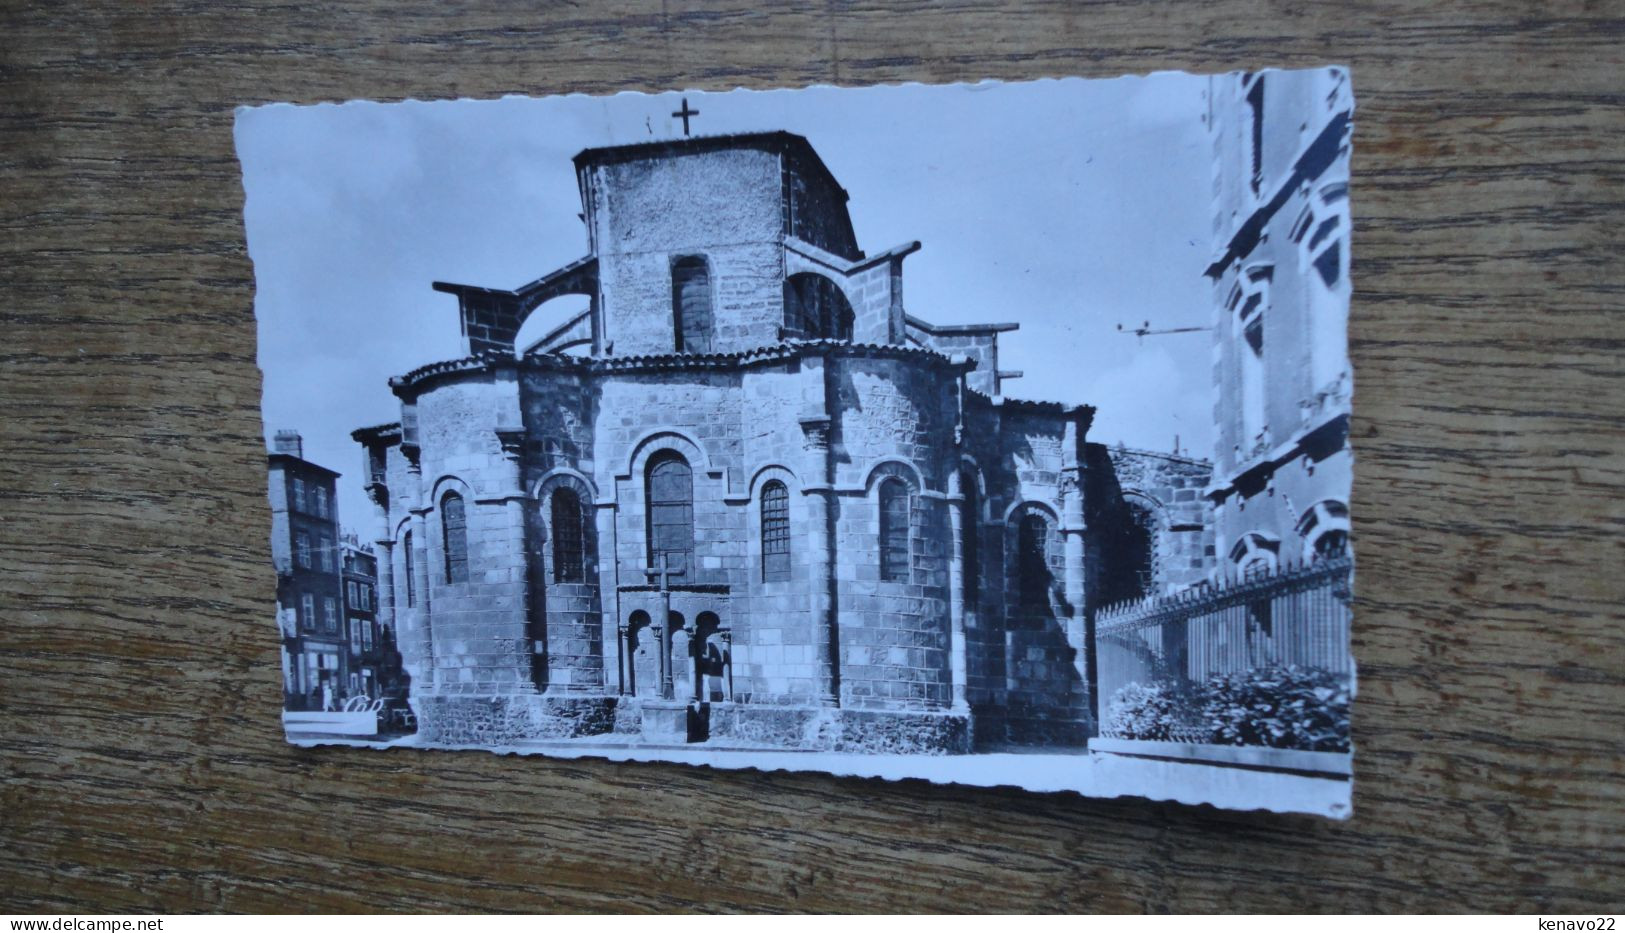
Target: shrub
x,y
1139,712
1279,707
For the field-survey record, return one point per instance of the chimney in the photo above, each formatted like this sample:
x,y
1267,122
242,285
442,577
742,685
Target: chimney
x,y
289,442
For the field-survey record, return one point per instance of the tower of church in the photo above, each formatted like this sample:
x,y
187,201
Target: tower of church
x,y
744,495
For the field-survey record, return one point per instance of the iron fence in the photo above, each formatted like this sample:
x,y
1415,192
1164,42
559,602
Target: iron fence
x,y
1295,615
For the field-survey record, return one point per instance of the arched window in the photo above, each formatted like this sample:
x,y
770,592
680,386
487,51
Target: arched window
x,y
1136,560
1324,530
569,566
691,304
815,307
1250,301
671,512
894,549
1255,554
410,574
972,532
1032,561
775,532
454,521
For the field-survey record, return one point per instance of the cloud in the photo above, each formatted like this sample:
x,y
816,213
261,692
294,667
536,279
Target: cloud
x,y
1152,396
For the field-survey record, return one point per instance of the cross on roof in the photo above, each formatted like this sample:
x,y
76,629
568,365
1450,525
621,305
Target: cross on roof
x,y
685,113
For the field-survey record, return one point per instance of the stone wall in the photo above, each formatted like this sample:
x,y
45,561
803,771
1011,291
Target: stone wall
x,y
830,423
1162,497
724,205
816,205
480,630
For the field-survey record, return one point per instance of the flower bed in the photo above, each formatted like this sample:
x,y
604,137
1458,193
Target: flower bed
x,y
1272,707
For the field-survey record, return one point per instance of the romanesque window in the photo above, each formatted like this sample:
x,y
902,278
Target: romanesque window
x,y
569,565
894,546
972,530
671,512
1138,552
454,521
411,581
301,548
815,307
775,532
1032,561
691,304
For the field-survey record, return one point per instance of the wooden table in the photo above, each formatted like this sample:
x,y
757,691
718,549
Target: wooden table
x,y
144,767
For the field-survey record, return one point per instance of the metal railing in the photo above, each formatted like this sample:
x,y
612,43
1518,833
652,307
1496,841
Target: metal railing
x,y
1295,615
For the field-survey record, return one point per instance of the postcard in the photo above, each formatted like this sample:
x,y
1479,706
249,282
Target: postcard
x,y
994,434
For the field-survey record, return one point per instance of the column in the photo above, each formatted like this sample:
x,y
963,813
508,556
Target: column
x,y
664,630
1073,530
956,591
609,598
819,493
516,554
420,588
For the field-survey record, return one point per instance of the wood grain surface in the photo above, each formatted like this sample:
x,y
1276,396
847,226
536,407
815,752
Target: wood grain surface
x,y
144,767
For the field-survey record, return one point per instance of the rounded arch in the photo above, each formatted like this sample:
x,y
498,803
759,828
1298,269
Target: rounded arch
x,y
1035,562
1023,505
969,467
1324,530
668,507
560,322
796,264
1256,552
817,307
656,440
693,303
568,541
772,471
1136,555
894,511
561,476
449,482
453,507
772,547
893,467
404,557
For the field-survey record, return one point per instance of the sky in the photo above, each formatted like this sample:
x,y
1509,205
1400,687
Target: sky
x,y
1068,206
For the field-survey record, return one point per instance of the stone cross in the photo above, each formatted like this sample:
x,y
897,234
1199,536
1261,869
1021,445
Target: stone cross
x,y
664,571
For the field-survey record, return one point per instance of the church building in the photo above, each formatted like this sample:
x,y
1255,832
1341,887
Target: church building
x,y
744,495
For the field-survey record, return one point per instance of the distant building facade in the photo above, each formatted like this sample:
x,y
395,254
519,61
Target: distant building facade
x,y
360,573
310,598
1282,466
745,494
1156,523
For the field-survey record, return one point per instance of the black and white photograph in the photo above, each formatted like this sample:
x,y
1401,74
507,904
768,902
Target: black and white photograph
x,y
989,434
